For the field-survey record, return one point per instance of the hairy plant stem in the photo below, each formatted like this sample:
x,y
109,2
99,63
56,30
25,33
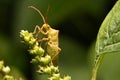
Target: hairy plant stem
x,y
96,67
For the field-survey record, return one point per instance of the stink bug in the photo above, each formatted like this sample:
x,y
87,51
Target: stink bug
x,y
51,38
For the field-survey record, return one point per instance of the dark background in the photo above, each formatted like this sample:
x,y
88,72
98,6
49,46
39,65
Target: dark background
x,y
78,22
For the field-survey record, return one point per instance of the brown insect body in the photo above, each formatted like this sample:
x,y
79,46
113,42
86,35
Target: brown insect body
x,y
52,42
51,38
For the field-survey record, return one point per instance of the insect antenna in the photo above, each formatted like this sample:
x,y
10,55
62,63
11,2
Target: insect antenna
x,y
46,18
32,7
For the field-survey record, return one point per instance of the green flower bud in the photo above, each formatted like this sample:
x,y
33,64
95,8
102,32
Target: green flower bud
x,y
44,70
7,77
45,60
54,69
55,77
6,70
1,65
32,41
48,69
40,51
34,50
67,78
37,50
23,34
36,59
27,37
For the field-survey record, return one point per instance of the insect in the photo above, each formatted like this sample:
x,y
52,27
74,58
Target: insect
x,y
51,38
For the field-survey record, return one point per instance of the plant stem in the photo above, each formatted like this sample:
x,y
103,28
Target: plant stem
x,y
97,64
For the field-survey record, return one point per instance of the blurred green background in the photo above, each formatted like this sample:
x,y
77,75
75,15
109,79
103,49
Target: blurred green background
x,y
78,22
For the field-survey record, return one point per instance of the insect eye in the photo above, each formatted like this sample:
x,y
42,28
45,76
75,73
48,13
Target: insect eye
x,y
46,26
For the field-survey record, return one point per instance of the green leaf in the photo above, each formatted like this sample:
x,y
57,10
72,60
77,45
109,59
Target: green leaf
x,y
108,39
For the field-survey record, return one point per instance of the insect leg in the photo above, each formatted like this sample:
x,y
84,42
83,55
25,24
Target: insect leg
x,y
35,30
39,31
43,39
55,56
